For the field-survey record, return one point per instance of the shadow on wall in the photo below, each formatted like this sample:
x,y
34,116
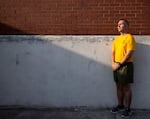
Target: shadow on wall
x,y
7,29
54,73
141,86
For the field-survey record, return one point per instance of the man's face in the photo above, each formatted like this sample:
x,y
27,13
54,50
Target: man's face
x,y
121,26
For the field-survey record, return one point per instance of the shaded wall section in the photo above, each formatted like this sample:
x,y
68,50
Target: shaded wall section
x,y
66,71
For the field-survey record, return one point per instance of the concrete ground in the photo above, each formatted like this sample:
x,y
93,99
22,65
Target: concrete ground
x,y
21,113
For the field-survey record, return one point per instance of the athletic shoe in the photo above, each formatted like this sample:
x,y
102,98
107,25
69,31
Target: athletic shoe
x,y
117,109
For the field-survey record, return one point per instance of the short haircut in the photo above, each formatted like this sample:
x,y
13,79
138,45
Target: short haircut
x,y
126,21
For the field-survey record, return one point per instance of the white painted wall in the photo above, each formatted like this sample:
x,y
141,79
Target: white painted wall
x,y
66,71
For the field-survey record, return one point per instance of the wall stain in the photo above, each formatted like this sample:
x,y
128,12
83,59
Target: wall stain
x,y
17,59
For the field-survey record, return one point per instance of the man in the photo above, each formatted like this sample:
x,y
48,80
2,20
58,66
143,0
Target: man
x,y
122,64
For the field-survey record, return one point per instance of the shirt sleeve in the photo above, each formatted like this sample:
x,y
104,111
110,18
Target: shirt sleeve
x,y
131,43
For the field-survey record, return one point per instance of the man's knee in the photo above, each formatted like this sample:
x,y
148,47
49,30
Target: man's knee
x,y
127,88
119,86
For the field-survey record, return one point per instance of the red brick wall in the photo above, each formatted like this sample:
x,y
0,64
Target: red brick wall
x,y
73,16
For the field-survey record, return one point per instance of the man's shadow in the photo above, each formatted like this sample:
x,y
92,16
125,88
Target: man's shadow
x,y
141,86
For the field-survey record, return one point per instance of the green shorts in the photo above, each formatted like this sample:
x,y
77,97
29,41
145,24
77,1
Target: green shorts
x,y
124,74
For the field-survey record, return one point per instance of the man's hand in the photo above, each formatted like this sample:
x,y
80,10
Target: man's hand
x,y
115,66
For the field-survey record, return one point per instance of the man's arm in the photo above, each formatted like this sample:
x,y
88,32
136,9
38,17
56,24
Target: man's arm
x,y
127,56
113,57
115,65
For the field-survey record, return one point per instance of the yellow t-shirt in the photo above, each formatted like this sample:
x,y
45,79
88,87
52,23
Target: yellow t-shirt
x,y
121,45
